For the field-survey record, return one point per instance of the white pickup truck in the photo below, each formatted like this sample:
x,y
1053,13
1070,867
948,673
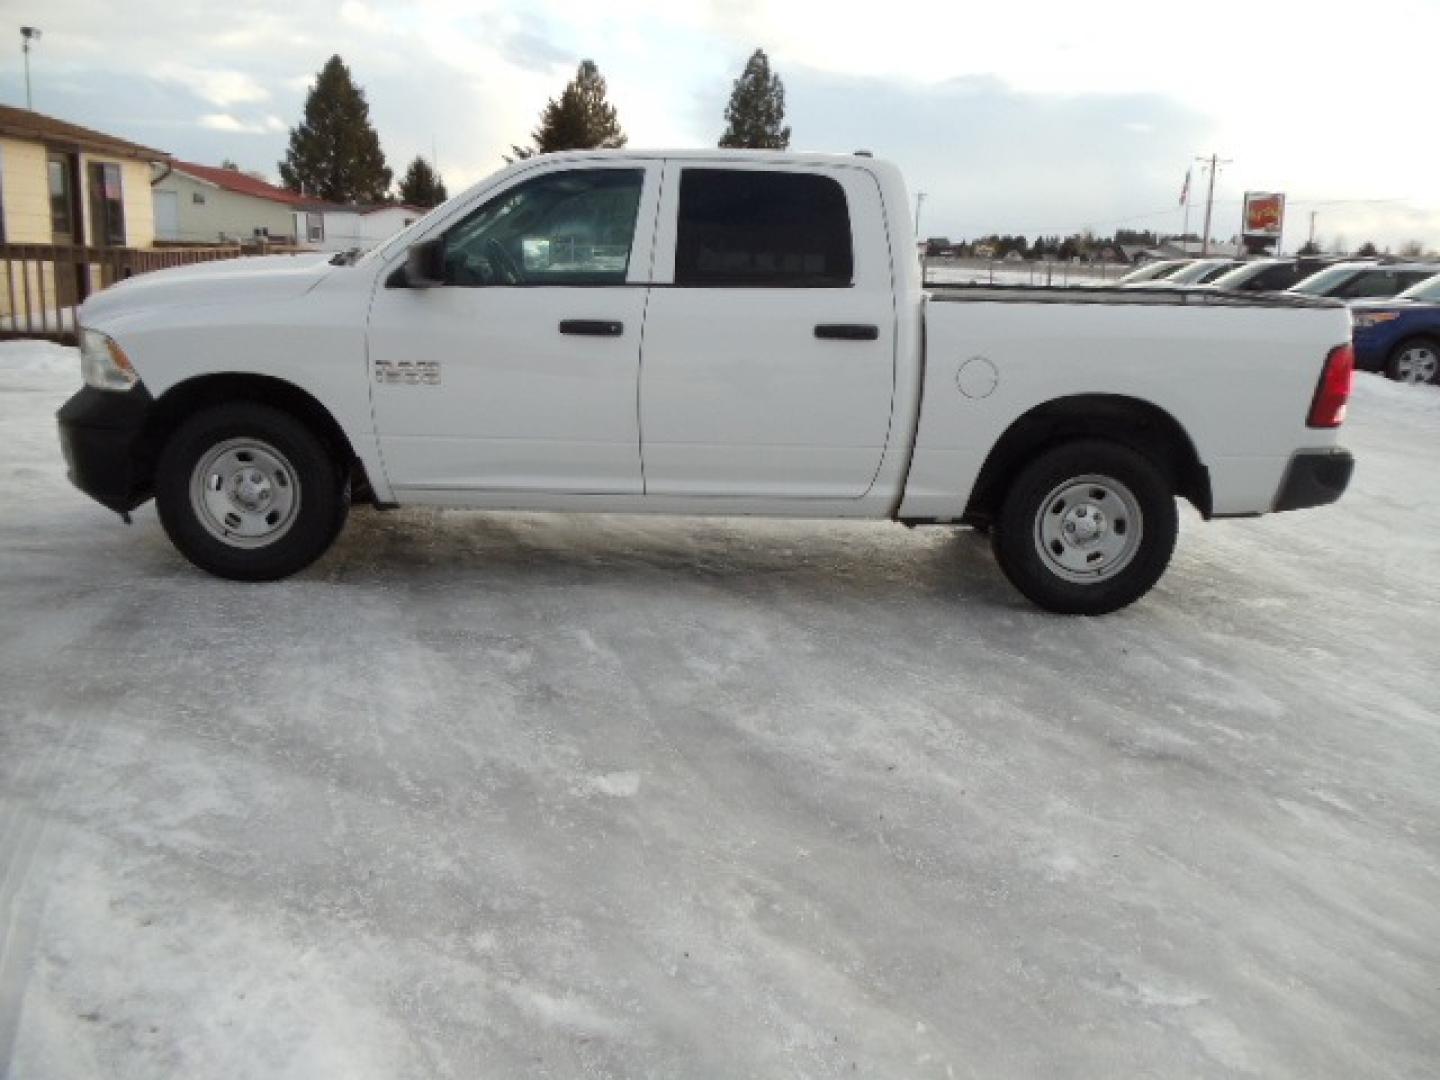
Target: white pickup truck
x,y
719,332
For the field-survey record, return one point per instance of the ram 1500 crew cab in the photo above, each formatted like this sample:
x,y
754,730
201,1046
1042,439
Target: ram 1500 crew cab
x,y
699,333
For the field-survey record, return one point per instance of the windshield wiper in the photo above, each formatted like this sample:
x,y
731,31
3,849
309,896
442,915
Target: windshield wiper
x,y
348,257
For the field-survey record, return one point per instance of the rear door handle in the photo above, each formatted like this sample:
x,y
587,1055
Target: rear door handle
x,y
848,332
592,327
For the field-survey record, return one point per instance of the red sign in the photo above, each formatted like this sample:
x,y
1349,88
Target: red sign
x,y
1264,213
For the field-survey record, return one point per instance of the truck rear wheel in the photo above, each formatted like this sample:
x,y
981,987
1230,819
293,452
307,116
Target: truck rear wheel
x,y
247,492
1086,528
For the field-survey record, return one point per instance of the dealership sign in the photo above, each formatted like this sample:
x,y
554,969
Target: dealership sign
x,y
1264,214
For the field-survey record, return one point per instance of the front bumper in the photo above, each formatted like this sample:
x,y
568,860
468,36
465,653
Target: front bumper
x,y
101,436
1315,478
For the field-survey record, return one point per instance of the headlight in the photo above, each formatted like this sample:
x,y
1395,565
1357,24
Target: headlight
x,y
103,364
1374,318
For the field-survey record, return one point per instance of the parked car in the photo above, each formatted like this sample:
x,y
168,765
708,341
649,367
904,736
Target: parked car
x,y
1197,272
1364,280
1153,271
1269,275
1401,336
490,356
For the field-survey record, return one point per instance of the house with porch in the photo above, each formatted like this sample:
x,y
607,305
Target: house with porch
x,y
72,189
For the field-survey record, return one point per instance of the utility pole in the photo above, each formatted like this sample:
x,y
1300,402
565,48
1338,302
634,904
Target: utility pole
x,y
28,34
1311,243
1213,163
919,200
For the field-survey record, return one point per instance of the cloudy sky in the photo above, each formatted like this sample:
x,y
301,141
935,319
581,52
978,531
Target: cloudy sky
x,y
1024,117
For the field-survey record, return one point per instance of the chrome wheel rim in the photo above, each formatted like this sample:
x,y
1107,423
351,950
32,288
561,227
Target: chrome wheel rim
x,y
244,493
1417,364
1088,528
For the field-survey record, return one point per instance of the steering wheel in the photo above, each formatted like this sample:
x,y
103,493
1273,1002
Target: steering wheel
x,y
501,262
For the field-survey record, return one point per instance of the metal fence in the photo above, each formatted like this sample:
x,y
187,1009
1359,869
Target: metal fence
x,y
41,285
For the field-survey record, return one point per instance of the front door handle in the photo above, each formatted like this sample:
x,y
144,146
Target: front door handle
x,y
847,332
592,327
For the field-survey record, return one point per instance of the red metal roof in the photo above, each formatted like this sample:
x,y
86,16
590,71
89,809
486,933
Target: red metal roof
x,y
238,182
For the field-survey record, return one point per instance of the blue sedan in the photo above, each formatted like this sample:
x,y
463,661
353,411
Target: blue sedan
x,y
1401,336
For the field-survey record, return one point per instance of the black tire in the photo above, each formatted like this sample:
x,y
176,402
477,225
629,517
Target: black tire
x,y
1126,482
317,482
1394,363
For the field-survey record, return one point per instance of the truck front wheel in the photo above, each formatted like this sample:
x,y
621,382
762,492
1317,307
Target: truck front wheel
x,y
247,492
1086,528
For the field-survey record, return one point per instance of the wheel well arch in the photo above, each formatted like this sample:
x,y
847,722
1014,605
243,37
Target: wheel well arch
x,y
186,398
1140,425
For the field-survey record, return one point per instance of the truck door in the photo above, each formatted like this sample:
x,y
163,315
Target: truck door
x,y
521,371
768,365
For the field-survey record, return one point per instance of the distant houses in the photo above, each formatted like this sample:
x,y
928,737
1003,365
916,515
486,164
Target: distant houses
x,y
208,204
339,227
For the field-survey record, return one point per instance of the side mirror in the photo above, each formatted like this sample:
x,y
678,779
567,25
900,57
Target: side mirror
x,y
425,265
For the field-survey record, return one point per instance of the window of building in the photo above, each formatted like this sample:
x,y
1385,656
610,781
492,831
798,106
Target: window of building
x,y
762,229
107,205
562,228
62,217
197,198
314,228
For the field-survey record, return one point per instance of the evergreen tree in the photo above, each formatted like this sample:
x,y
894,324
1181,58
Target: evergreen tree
x,y
581,120
422,185
1367,250
335,154
755,117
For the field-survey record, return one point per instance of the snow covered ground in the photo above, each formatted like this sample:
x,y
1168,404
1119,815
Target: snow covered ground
x,y
527,796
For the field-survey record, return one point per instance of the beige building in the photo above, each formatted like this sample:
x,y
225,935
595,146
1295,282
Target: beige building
x,y
206,204
67,185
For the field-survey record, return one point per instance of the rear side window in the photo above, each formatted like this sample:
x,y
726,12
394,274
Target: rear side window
x,y
762,229
1372,283
1275,278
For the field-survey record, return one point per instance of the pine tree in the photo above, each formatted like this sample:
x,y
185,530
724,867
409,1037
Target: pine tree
x,y
422,185
1367,250
581,120
335,154
755,117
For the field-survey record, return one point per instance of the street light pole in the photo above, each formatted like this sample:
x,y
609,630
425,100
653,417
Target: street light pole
x,y
28,34
1213,162
919,200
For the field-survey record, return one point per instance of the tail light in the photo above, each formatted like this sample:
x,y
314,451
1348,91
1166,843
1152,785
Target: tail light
x,y
1336,381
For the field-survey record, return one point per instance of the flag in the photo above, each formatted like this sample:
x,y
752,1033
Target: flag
x,y
1185,189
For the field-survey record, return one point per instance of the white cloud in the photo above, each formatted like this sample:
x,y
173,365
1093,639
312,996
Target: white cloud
x,y
217,86
227,122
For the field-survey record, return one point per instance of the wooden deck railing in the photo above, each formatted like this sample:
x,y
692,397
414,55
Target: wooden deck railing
x,y
41,285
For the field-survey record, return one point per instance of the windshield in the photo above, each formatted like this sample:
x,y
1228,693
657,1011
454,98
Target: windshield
x,y
1233,279
1327,280
1427,290
1153,271
1199,272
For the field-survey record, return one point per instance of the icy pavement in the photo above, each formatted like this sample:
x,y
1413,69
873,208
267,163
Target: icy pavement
x,y
524,796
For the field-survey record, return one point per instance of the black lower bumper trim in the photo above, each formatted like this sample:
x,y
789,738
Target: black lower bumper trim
x,y
100,436
1315,478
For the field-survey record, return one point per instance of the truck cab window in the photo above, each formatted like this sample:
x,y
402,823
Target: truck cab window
x,y
746,228
563,228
